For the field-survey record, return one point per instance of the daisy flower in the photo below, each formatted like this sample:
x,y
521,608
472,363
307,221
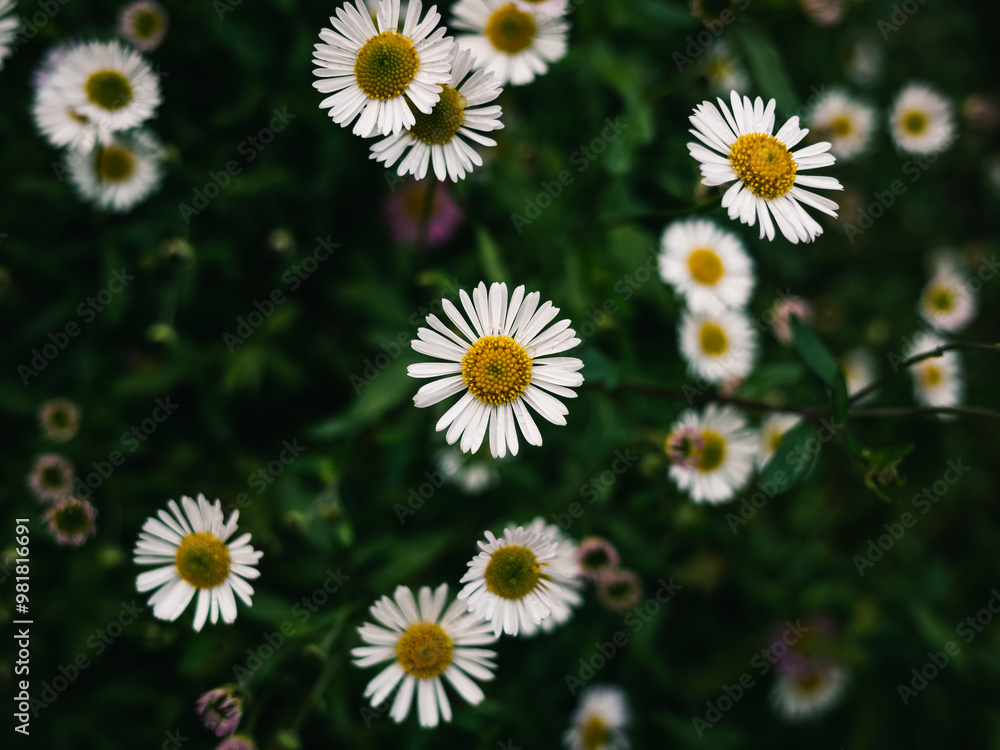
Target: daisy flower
x,y
683,446
546,8
515,44
859,370
599,719
60,419
723,69
404,212
767,183
500,364
518,580
220,710
193,554
596,556
434,139
8,29
725,463
847,123
111,86
718,347
810,690
937,381
51,477
707,265
566,559
619,590
71,521
121,173
377,74
771,434
62,124
423,646
471,476
921,120
947,302
143,24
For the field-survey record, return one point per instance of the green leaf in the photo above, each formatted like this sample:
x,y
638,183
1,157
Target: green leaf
x,y
768,69
489,255
815,354
791,461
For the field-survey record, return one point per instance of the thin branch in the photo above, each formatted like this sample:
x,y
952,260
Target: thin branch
x,y
903,411
705,398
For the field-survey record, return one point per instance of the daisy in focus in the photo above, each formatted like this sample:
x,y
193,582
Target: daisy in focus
x,y
377,74
767,185
502,364
51,478
937,381
518,580
599,720
71,521
947,302
60,419
143,24
718,347
194,556
921,120
404,212
772,433
8,29
436,139
847,123
121,173
707,265
516,44
423,646
714,472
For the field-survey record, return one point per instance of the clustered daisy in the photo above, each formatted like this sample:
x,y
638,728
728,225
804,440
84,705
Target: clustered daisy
x,y
947,302
772,433
937,381
143,24
71,521
51,478
721,460
118,174
922,120
846,122
599,720
808,683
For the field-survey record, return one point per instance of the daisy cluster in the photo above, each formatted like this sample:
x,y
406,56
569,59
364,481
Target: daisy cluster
x,y
426,94
92,100
808,682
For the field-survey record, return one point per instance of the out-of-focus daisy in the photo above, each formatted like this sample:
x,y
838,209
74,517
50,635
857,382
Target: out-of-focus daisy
x,y
937,381
111,86
723,69
982,112
725,462
377,74
859,370
435,139
8,29
404,211
503,365
143,24
683,446
599,720
766,172
60,419
121,173
220,710
71,521
823,12
781,313
515,44
425,646
567,560
707,265
469,475
809,692
619,589
947,302
846,122
719,346
194,557
921,120
237,742
595,557
518,579
771,434
62,124
865,60
548,8
51,477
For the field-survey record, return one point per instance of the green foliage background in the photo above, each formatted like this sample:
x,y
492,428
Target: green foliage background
x,y
333,508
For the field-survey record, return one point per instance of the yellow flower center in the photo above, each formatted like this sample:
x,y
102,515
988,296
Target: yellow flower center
x,y
109,89
774,440
915,122
941,299
496,370
763,164
72,518
809,683
594,734
713,339
841,126
714,452
386,65
932,375
202,560
440,126
705,266
147,24
513,572
511,30
114,163
424,650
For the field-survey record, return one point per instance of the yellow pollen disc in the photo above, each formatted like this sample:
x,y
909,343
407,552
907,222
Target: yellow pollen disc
x,y
595,734
775,440
496,370
713,340
424,650
114,163
705,266
810,682
510,30
931,375
714,452
385,65
440,126
146,24
109,89
941,299
512,572
915,122
763,164
841,126
202,560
